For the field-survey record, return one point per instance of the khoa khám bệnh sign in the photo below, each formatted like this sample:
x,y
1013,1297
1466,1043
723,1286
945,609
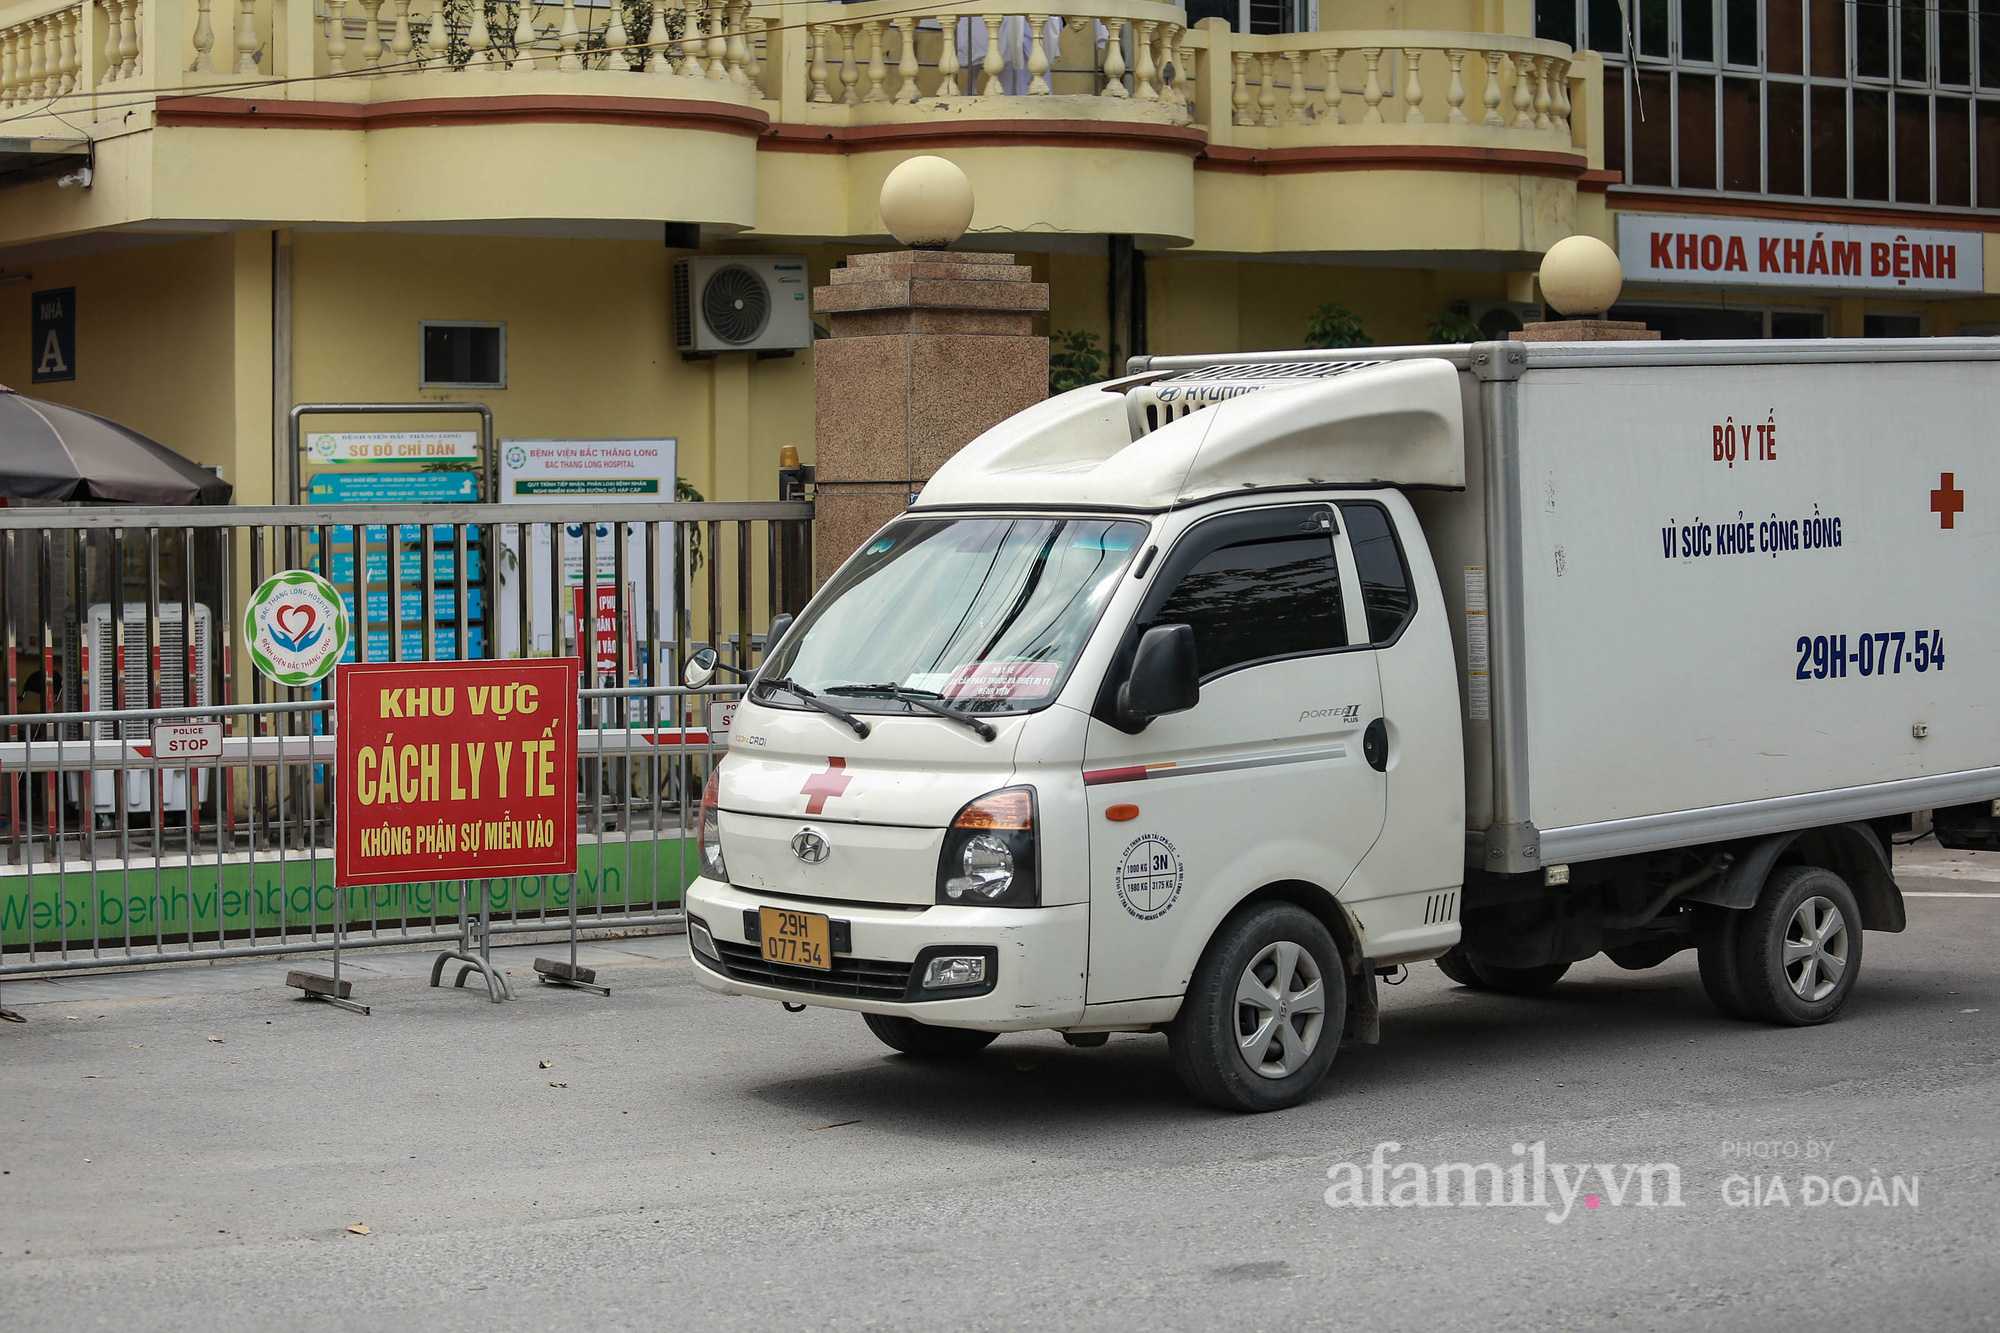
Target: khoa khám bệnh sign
x,y
456,770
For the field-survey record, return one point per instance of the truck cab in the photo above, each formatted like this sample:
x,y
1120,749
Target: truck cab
x,y
1145,716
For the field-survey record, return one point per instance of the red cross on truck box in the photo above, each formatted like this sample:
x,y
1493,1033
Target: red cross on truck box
x,y
455,770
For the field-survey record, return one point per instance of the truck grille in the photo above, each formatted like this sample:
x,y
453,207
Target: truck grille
x,y
861,978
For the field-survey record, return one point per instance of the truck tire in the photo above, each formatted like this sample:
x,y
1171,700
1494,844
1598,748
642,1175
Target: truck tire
x,y
1798,950
926,1040
1263,1015
1519,980
1459,968
1715,933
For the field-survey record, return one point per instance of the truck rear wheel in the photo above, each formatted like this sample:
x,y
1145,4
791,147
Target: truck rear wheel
x,y
1798,950
1263,1015
927,1040
1458,967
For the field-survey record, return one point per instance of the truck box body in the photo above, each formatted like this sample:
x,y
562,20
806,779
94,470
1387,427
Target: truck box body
x,y
1659,554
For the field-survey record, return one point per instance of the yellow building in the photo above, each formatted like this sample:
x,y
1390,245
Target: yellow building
x,y
214,209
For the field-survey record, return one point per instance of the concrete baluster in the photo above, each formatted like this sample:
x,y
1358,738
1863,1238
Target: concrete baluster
x,y
44,67
1371,92
437,38
371,34
1239,92
525,37
1330,94
479,38
1455,93
7,48
693,44
1562,104
948,68
1267,90
817,71
617,41
718,43
1524,94
753,64
738,58
568,38
1144,71
1175,67
204,42
401,42
1491,97
991,68
878,65
1114,58
1295,92
336,36
68,63
135,56
1542,99
1038,56
850,73
657,60
906,60
1413,88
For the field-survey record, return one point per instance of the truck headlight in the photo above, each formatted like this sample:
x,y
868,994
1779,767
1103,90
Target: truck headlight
x,y
990,856
710,828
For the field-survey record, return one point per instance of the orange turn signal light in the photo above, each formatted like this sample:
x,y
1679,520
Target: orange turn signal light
x,y
1012,809
1120,813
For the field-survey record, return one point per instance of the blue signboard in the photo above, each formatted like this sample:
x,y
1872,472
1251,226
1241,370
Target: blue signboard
x,y
444,603
444,565
413,645
393,488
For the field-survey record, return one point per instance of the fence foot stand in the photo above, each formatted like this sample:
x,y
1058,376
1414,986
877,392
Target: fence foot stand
x,y
317,987
497,988
552,973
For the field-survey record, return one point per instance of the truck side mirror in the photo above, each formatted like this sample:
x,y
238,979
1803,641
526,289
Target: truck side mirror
x,y
776,632
700,669
1163,678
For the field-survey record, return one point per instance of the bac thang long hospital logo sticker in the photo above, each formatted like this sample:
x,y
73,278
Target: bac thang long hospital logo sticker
x,y
1149,876
296,626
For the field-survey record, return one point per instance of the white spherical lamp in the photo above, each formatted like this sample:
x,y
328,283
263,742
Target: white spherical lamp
x,y
927,203
1581,277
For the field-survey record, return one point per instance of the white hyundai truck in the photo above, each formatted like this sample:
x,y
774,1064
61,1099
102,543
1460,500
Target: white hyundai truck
x,y
1195,701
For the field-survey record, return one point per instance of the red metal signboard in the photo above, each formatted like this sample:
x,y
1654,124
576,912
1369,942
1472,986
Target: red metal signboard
x,y
455,770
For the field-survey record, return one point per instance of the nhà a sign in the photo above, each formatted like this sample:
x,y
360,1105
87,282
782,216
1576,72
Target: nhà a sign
x,y
52,335
1715,252
455,770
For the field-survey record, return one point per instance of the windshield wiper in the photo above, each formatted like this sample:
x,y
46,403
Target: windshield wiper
x,y
813,701
928,700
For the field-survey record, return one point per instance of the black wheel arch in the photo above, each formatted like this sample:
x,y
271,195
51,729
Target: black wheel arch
x,y
1856,852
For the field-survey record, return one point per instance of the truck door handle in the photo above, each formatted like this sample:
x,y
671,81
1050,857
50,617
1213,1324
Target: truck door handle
x,y
1375,745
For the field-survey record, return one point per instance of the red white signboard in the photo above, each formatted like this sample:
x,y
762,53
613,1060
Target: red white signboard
x,y
187,740
455,770
1716,252
604,631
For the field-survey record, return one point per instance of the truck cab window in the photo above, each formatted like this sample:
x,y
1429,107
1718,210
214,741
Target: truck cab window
x,y
1251,601
1385,575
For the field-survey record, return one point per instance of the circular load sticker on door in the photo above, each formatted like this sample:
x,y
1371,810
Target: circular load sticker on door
x,y
1149,876
296,626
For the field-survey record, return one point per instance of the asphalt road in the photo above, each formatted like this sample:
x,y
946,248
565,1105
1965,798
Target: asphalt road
x,y
688,1160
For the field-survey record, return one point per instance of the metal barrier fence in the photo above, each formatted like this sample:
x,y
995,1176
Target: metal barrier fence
x,y
113,853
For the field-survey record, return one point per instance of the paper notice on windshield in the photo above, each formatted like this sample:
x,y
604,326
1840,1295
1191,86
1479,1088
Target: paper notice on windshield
x,y
1002,680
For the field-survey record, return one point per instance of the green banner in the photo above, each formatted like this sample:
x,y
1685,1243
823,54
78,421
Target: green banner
x,y
228,901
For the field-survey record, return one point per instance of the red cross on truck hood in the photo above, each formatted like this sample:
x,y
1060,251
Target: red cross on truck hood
x,y
854,790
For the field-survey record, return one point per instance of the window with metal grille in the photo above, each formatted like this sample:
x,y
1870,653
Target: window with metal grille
x,y
1874,101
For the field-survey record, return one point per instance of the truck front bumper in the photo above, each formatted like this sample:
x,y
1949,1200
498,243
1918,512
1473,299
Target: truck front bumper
x,y
1035,959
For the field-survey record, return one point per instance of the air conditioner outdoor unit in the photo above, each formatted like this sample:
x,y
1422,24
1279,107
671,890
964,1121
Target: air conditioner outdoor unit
x,y
1497,319
742,303
181,656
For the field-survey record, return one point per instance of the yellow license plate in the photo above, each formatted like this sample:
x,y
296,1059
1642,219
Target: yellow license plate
x,y
803,939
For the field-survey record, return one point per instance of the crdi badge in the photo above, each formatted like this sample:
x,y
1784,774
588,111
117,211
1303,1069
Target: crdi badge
x,y
296,626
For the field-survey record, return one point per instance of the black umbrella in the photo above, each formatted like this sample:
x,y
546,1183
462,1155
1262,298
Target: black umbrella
x,y
52,452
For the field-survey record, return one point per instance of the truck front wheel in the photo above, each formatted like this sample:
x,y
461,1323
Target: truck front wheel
x,y
1263,1015
1799,949
926,1040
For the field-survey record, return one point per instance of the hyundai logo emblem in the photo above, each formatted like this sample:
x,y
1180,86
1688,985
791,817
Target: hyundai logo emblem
x,y
810,847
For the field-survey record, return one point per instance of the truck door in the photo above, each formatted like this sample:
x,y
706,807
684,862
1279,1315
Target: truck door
x,y
1267,778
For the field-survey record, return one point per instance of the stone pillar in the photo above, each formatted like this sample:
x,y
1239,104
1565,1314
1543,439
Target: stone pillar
x,y
929,348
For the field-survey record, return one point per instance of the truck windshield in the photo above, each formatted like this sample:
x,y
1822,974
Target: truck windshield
x,y
983,614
